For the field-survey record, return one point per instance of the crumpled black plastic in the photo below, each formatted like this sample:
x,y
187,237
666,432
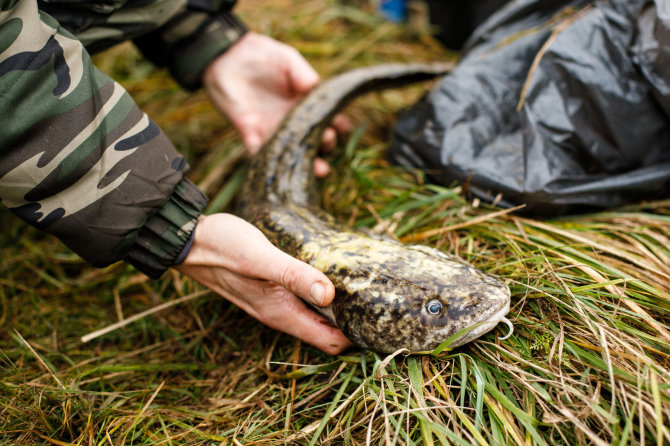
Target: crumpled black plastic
x,y
593,129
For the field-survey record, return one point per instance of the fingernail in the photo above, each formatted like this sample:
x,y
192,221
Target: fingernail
x,y
317,293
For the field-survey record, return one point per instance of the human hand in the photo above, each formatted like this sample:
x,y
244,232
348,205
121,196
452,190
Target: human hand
x,y
234,259
256,82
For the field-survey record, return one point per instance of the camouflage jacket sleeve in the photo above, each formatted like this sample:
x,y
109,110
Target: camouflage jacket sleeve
x,y
78,159
183,35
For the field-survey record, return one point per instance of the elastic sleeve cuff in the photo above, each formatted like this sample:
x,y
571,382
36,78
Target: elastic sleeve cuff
x,y
191,56
162,241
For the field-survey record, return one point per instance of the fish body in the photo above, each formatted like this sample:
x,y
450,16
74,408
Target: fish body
x,y
389,296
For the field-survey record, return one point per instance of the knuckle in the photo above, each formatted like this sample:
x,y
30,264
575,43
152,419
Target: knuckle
x,y
290,279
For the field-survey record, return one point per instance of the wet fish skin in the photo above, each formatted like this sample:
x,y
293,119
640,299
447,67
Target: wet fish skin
x,y
386,292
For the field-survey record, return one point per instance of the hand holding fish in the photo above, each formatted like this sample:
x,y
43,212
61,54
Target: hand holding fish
x,y
256,82
234,259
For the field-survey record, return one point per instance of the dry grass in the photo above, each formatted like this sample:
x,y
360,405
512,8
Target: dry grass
x,y
588,363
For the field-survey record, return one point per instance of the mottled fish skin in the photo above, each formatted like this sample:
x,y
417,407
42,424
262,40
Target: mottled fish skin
x,y
384,289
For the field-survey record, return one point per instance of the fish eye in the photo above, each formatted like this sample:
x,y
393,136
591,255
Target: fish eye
x,y
434,307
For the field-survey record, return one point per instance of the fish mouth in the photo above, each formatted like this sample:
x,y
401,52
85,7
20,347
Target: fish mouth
x,y
486,326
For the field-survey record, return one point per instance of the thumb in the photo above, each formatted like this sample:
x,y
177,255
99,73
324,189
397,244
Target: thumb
x,y
303,280
250,253
253,140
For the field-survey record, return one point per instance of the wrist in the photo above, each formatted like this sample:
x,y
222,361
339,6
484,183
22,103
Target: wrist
x,y
163,238
186,249
220,64
192,57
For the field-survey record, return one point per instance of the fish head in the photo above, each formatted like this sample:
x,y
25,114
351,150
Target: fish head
x,y
414,298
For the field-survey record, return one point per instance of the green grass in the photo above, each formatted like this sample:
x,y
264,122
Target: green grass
x,y
588,362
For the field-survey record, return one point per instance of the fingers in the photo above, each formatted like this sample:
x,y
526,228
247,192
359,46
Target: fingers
x,y
252,137
293,317
341,124
254,142
302,76
321,168
328,139
274,306
315,330
279,309
328,143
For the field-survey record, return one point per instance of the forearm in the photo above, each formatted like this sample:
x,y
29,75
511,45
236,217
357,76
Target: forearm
x,y
78,159
182,35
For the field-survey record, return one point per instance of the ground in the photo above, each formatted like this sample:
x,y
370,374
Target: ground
x,y
588,362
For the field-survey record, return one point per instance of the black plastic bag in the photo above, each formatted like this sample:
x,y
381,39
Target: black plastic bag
x,y
593,127
454,21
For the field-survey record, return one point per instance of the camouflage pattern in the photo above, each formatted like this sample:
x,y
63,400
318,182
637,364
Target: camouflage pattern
x,y
78,159
183,35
